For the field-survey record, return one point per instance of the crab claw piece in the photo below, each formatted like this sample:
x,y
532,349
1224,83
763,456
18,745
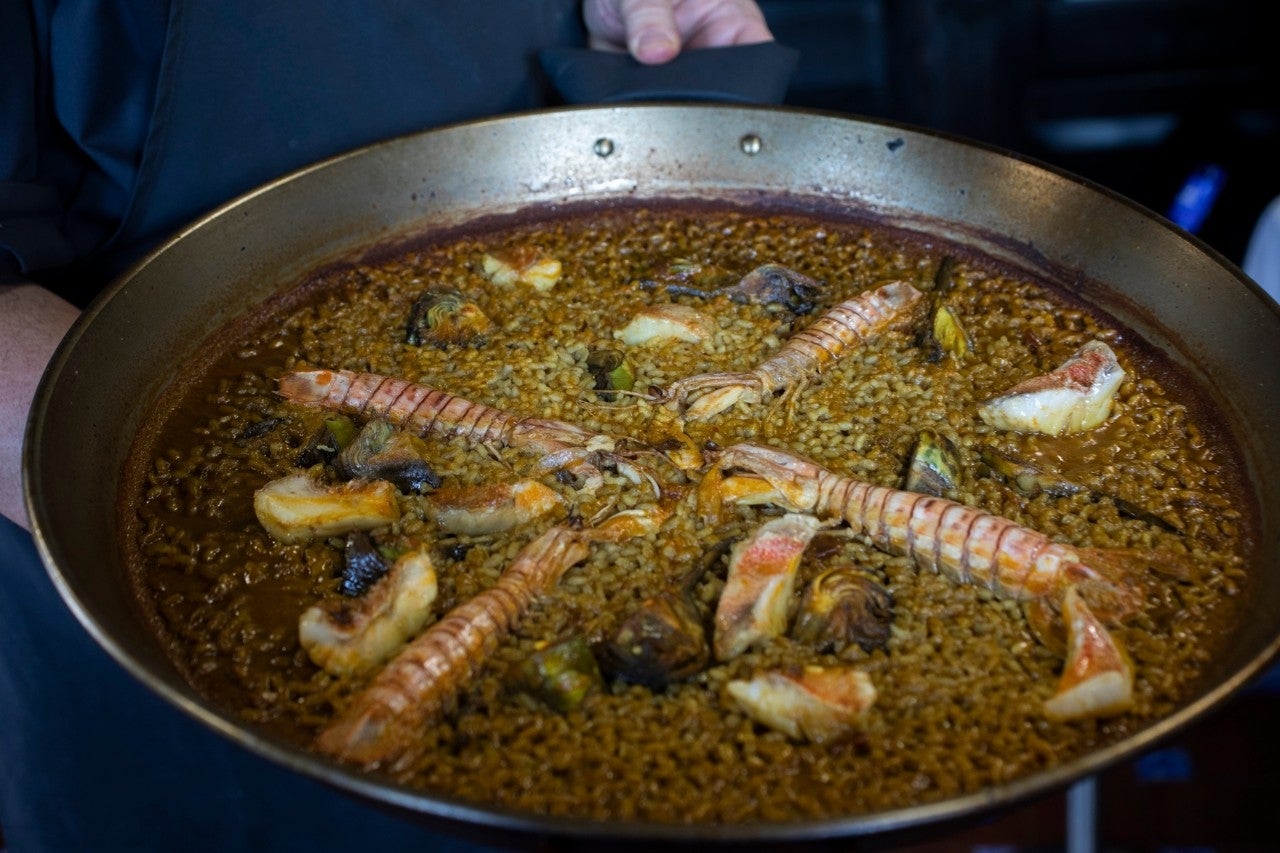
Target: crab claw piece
x,y
1098,677
1074,397
818,704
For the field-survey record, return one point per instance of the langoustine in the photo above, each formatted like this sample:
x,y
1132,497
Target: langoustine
x,y
430,411
379,727
963,543
805,354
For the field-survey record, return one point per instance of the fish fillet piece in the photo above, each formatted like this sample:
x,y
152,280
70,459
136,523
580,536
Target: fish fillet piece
x,y
1074,397
491,508
666,322
346,636
297,508
816,703
759,588
1097,680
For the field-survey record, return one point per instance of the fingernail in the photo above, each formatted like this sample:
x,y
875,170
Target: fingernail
x,y
653,48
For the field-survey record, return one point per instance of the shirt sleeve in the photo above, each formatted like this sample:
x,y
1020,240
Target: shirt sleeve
x,y
76,98
31,214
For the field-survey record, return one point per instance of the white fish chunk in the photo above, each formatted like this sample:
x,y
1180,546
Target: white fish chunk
x,y
525,266
350,635
1074,397
1097,680
493,508
664,323
297,508
816,703
759,588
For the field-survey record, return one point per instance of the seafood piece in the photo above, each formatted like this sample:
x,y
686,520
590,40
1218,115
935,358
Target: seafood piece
x,y
427,411
963,543
844,606
492,508
298,508
524,265
362,565
382,452
333,435
947,336
663,639
762,575
934,468
380,727
970,546
1097,680
803,356
770,284
611,371
346,636
821,704
1028,479
1031,480
664,323
442,317
1073,397
560,676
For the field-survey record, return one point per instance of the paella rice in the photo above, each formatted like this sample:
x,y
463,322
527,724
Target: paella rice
x,y
960,672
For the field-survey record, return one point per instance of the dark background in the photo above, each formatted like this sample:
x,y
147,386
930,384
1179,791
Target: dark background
x,y
1132,94
1135,95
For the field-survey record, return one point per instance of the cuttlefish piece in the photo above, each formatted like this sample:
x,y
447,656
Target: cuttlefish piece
x,y
762,575
492,508
666,322
1074,397
297,508
816,703
345,636
1098,677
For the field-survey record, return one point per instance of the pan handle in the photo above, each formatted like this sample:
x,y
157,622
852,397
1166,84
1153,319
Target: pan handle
x,y
752,74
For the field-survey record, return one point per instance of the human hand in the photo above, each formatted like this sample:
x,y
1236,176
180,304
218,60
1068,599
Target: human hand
x,y
655,31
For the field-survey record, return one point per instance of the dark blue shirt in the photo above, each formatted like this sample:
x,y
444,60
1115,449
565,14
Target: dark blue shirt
x,y
122,121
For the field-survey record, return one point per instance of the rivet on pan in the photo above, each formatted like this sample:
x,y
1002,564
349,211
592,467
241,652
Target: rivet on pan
x,y
750,144
603,146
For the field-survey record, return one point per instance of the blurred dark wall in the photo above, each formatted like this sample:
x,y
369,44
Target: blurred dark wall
x,y
1137,95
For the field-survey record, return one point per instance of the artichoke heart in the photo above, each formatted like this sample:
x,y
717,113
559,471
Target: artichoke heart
x,y
844,606
382,452
297,508
662,641
561,675
443,317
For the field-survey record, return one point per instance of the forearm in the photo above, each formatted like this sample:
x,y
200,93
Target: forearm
x,y
32,323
